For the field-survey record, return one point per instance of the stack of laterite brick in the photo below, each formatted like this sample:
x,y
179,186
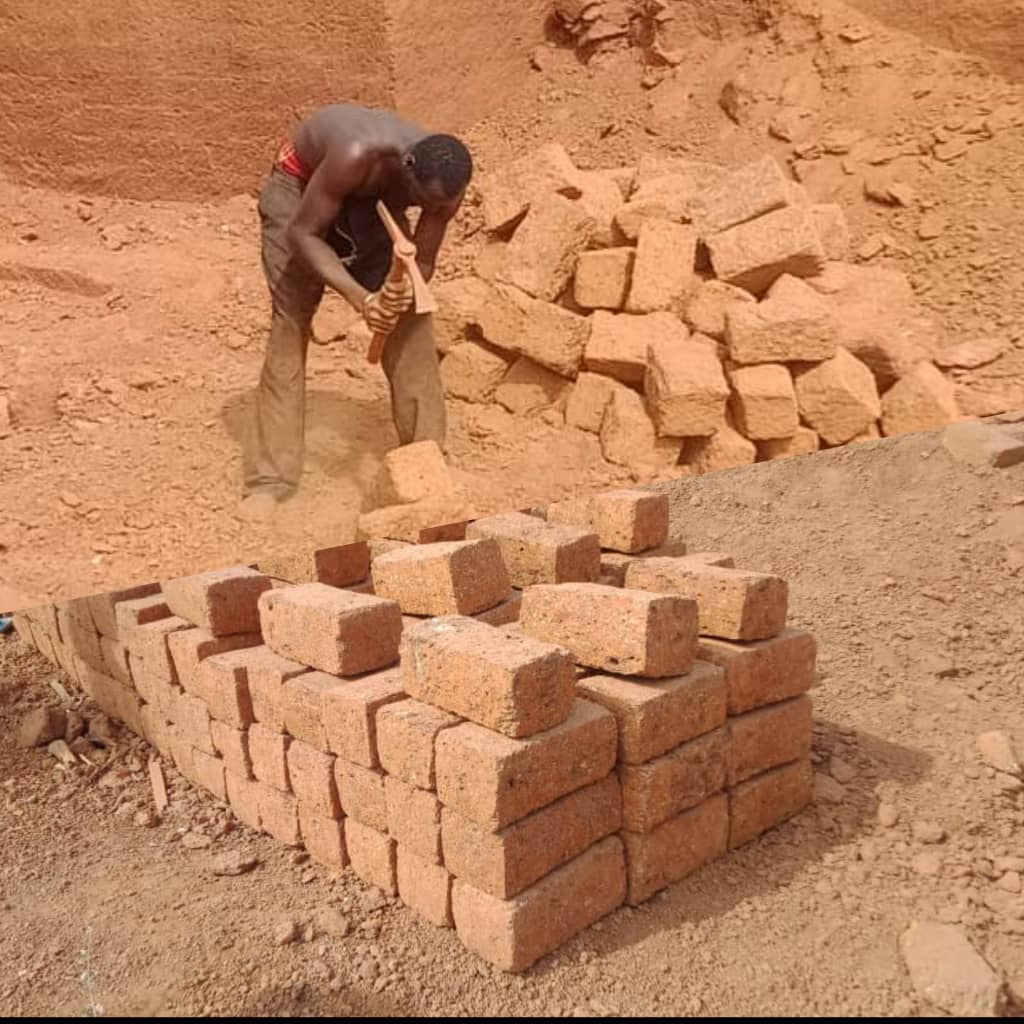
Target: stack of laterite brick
x,y
515,731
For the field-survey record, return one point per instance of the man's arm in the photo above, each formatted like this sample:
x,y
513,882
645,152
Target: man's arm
x,y
321,203
430,231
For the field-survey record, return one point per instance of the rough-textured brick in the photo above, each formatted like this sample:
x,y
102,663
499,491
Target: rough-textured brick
x,y
494,780
304,698
514,934
414,818
538,552
507,682
224,685
333,630
103,607
587,402
768,737
268,752
664,267
457,578
803,442
838,397
767,800
656,717
629,437
630,632
349,714
603,278
406,733
676,848
503,614
189,647
630,521
222,602
472,372
139,611
425,887
748,192
685,386
244,798
922,400
115,659
193,719
267,674
372,856
709,306
657,790
731,603
764,401
149,643
209,774
361,791
311,774
324,839
279,814
505,863
508,192
619,342
529,388
339,566
233,747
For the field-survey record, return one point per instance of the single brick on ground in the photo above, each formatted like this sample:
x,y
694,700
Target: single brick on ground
x,y
513,684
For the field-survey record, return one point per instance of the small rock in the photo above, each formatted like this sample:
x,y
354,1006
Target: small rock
x,y
929,864
146,818
996,749
196,841
948,971
928,832
299,857
237,862
41,726
932,226
827,790
286,931
888,815
840,770
1010,882
968,355
331,921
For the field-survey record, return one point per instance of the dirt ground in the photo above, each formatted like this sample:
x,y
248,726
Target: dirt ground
x,y
131,333
904,563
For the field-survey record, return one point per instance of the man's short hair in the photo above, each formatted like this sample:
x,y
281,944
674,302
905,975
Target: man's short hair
x,y
445,159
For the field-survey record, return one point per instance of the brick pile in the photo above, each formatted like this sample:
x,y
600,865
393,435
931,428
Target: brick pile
x,y
515,732
694,317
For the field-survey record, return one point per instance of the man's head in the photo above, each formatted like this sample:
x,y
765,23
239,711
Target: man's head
x,y
439,168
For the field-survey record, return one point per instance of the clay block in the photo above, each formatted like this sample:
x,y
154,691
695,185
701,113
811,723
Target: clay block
x,y
445,533
233,747
726,448
279,814
630,632
659,789
361,791
412,523
538,552
663,271
115,659
833,230
685,386
224,685
510,683
208,772
922,400
350,712
149,644
838,397
603,278
541,257
528,388
372,856
676,848
494,780
189,647
332,630
985,444
406,732
324,839
414,818
629,438
793,324
311,773
472,372
505,863
755,254
339,566
221,602
268,751
139,611
458,578
411,473
548,334
764,672
764,401
193,721
587,402
506,194
665,196
768,800
708,307
803,442
656,717
425,887
514,934
742,195
769,737
103,607
304,697
630,521
619,342
504,614
267,674
244,798
615,563
732,604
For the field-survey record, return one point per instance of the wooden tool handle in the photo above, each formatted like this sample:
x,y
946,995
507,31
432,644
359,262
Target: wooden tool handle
x,y
395,275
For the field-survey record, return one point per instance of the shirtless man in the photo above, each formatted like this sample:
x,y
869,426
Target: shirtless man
x,y
320,227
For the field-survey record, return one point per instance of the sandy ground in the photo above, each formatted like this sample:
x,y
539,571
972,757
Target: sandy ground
x,y
905,565
131,334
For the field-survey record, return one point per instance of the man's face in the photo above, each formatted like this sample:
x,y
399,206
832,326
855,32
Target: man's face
x,y
429,195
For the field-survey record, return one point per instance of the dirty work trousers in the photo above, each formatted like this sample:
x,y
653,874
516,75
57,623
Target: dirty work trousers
x,y
275,453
